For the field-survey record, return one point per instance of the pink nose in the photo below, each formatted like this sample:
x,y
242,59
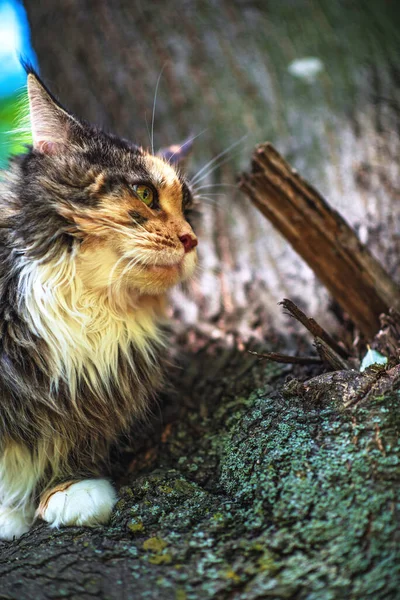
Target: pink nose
x,y
188,242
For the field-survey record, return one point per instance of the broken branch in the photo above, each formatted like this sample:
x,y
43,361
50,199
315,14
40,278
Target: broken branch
x,y
313,327
322,237
285,358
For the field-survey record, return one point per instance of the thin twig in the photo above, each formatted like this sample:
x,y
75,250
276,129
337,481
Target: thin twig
x,y
313,327
285,358
329,356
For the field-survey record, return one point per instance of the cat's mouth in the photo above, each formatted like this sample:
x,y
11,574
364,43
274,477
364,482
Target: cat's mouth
x,y
159,276
166,268
163,272
160,267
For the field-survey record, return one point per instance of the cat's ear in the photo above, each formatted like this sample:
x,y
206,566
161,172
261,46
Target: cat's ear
x,y
51,125
177,154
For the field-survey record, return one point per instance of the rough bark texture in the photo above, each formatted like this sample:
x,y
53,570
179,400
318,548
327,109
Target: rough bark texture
x,y
248,494
226,70
322,237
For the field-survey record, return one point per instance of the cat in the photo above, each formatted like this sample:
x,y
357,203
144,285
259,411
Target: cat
x,y
92,235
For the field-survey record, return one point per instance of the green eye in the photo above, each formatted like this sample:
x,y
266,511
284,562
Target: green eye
x,y
144,193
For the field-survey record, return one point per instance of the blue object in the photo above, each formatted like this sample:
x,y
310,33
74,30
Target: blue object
x,y
373,357
14,43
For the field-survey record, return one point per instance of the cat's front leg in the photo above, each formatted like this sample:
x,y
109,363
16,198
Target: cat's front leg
x,y
19,475
88,502
15,521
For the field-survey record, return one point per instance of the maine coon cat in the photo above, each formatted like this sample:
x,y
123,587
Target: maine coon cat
x,y
92,235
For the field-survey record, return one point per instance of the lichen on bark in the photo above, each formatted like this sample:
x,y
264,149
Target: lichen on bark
x,y
252,493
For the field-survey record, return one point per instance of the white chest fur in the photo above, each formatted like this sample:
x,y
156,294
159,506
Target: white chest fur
x,y
84,331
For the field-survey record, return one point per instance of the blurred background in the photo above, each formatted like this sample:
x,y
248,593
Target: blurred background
x,y
14,42
319,79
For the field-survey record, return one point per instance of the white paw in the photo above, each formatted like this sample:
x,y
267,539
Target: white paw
x,y
88,502
13,523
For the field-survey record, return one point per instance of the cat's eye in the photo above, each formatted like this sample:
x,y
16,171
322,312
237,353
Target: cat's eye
x,y
145,194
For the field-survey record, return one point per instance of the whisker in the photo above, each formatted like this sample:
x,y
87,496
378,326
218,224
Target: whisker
x,y
211,185
206,199
189,141
140,226
213,160
147,127
200,268
208,194
154,108
124,229
130,264
117,284
217,166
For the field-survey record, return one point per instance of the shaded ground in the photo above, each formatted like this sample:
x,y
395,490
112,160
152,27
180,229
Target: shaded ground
x,y
249,493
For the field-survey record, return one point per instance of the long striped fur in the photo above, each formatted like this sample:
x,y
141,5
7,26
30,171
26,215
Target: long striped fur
x,y
85,265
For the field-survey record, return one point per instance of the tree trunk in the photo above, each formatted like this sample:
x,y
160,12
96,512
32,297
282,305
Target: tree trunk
x,y
247,495
242,490
224,68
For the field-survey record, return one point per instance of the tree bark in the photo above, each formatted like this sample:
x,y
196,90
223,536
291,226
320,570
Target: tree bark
x,y
226,71
243,490
245,495
322,237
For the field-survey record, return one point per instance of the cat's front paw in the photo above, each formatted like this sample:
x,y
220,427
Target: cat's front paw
x,y
13,523
88,502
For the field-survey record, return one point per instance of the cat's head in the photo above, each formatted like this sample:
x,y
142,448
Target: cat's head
x,y
121,207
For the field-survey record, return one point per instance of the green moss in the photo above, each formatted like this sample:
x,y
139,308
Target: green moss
x,y
218,516
288,502
136,526
154,544
127,492
267,562
184,487
165,489
273,497
232,575
160,559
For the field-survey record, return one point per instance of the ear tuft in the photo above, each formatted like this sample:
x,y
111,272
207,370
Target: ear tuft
x,y
50,123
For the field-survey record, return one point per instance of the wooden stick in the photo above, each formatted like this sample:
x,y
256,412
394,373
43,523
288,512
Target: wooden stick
x,y
313,327
329,356
322,237
285,358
